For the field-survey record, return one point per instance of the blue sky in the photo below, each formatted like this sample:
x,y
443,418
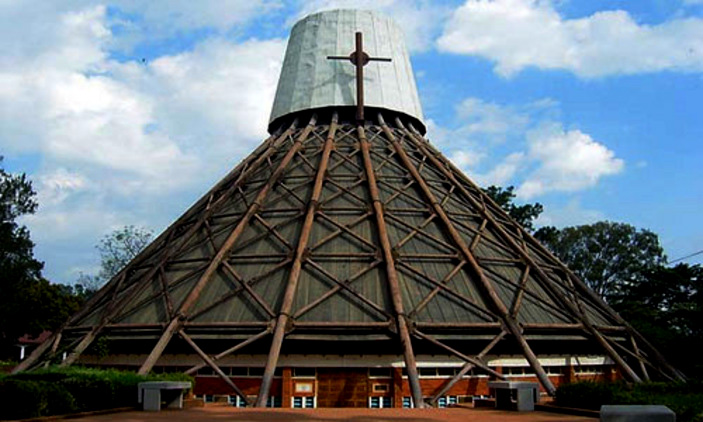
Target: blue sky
x,y
124,112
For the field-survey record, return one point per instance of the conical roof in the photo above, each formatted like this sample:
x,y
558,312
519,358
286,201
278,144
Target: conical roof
x,y
341,230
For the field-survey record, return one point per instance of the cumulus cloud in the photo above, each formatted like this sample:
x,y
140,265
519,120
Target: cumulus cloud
x,y
420,20
540,157
484,117
568,161
117,139
516,34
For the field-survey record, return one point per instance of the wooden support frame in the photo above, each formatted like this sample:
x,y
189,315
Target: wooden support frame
x,y
546,282
113,286
193,295
510,323
296,268
458,354
213,365
468,366
392,276
231,350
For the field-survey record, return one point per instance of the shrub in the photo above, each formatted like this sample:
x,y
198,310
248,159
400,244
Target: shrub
x,y
56,391
684,398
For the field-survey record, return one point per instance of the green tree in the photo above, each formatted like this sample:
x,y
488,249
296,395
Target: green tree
x,y
29,304
665,304
523,214
116,250
606,255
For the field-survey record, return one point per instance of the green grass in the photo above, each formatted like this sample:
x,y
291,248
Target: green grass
x,y
55,391
684,398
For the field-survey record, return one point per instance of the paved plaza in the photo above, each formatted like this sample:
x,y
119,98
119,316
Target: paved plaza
x,y
226,413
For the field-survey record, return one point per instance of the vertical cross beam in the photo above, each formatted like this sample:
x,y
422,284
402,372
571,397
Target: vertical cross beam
x,y
359,59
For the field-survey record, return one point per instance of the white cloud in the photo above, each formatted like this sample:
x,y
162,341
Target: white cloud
x,y
465,159
572,214
490,118
503,172
516,34
568,161
540,157
118,140
420,20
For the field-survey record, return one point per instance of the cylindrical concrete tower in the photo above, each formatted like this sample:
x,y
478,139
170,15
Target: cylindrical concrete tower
x,y
309,80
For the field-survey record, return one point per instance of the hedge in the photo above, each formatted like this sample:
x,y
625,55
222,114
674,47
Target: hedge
x,y
57,391
684,398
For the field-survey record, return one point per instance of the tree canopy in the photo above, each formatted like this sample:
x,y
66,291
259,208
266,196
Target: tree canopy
x,y
524,214
606,255
665,304
29,304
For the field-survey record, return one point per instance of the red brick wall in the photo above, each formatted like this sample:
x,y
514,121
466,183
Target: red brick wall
x,y
342,387
249,386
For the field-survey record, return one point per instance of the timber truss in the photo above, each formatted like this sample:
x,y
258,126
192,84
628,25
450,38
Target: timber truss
x,y
366,227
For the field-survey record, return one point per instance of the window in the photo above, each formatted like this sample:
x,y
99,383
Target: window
x,y
206,372
444,372
239,372
518,371
447,372
274,401
304,372
257,372
303,402
445,401
554,370
379,372
380,402
408,402
209,398
237,401
588,369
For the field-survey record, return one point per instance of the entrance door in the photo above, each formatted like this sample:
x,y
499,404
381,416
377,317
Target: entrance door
x,y
342,387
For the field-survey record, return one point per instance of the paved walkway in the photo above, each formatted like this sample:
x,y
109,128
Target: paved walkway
x,y
226,413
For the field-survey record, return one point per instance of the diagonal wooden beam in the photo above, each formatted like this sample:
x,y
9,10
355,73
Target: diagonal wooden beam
x,y
458,354
194,294
231,350
242,170
296,269
331,292
468,366
392,276
213,365
346,287
545,280
510,323
258,299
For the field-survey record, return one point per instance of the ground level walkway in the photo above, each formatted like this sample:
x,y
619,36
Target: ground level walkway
x,y
226,413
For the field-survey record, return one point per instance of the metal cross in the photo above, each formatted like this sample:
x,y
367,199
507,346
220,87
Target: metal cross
x,y
359,59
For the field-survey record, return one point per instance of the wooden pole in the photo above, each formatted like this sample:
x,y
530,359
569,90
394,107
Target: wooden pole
x,y
468,366
194,294
231,350
410,364
170,249
546,282
213,365
294,275
488,289
458,354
